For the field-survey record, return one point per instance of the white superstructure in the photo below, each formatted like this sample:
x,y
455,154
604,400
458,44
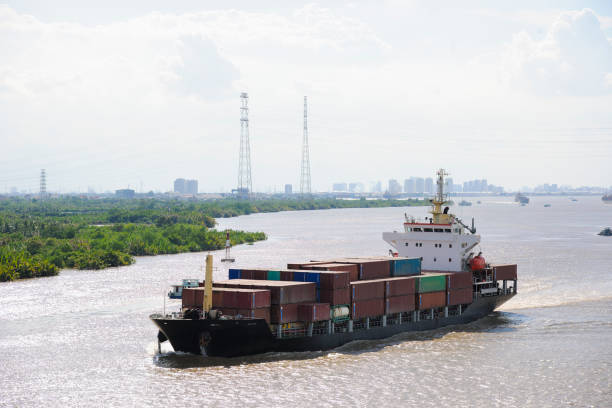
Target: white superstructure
x,y
442,241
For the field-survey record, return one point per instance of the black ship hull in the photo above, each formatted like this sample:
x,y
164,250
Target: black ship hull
x,y
229,338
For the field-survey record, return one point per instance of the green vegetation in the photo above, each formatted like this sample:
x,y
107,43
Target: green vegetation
x,y
39,238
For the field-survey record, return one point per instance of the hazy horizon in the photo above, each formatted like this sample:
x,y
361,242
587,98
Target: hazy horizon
x,y
108,95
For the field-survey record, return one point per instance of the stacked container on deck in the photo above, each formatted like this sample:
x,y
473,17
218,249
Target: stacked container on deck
x,y
284,296
431,291
247,302
459,288
378,285
370,287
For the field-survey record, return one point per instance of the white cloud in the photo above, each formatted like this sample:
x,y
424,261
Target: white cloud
x,y
574,58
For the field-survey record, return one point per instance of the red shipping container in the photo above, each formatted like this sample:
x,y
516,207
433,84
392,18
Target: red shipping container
x,y
352,269
430,300
261,313
235,298
257,274
364,290
187,298
313,312
336,296
397,304
284,313
286,276
461,296
332,279
368,308
281,292
246,274
305,265
404,285
459,280
504,272
371,268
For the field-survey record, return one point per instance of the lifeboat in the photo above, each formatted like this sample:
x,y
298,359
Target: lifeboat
x,y
477,263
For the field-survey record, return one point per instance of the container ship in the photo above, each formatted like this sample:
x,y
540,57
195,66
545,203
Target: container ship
x,y
431,278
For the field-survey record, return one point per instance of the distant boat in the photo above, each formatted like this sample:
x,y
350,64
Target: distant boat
x,y
606,232
573,199
465,203
546,205
478,202
607,198
520,198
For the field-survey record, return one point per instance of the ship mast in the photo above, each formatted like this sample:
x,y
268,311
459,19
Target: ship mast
x,y
439,200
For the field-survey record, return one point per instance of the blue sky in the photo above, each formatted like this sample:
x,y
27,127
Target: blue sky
x,y
105,95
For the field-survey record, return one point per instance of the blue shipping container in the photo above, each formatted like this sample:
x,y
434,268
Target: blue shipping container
x,y
299,276
234,273
406,267
313,277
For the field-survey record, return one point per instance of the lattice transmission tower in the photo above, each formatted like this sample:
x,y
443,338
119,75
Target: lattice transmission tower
x,y
43,184
305,188
245,186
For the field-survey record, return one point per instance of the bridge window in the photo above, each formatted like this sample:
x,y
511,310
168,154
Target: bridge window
x,y
447,230
427,230
450,245
450,260
438,230
416,229
434,259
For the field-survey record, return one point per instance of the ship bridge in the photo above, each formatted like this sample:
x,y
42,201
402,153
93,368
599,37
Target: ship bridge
x,y
442,241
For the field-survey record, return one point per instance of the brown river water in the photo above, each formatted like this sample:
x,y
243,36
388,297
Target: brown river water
x,y
83,338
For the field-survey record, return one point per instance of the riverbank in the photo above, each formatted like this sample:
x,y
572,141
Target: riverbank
x,y
39,238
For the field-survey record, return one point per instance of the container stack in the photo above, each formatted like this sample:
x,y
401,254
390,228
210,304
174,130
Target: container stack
x,y
332,286
370,287
504,272
459,288
400,295
254,303
431,291
284,296
367,298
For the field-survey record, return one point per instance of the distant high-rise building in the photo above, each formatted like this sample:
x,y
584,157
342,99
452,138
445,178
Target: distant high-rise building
x,y
409,186
180,185
448,185
394,187
377,187
428,185
419,185
183,186
339,187
288,189
191,187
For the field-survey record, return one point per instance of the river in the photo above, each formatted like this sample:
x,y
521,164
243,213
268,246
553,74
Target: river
x,y
84,339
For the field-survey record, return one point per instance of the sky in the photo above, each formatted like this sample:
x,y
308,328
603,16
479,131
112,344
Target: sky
x,y
106,96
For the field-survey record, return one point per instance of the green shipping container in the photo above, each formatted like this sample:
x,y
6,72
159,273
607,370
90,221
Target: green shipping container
x,y
430,283
274,275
